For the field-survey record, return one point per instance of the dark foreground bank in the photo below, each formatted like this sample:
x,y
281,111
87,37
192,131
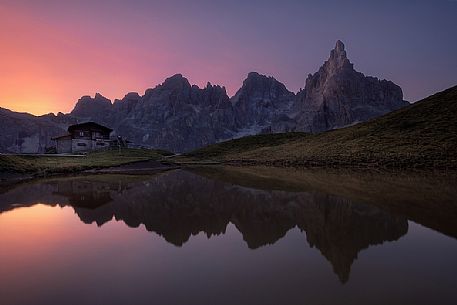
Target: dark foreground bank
x,y
15,168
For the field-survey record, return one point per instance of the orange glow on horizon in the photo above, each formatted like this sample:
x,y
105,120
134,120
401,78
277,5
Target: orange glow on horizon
x,y
44,71
47,68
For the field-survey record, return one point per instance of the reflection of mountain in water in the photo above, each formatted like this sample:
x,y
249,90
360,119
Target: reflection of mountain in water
x,y
179,204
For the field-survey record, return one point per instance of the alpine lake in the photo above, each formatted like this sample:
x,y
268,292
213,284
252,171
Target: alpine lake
x,y
229,235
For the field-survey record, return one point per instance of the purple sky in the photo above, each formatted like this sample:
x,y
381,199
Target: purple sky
x,y
56,51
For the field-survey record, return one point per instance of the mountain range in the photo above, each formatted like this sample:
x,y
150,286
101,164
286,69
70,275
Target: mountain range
x,y
180,117
422,135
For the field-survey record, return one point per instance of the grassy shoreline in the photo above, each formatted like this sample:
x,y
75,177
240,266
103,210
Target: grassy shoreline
x,y
42,166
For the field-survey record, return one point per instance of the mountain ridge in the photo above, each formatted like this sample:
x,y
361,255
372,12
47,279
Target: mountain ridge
x,y
178,116
422,135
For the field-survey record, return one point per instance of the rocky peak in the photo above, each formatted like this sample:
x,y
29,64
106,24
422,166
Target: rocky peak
x,y
176,82
337,95
88,106
99,97
256,78
129,97
338,60
210,97
217,88
125,105
97,100
255,75
132,96
259,101
337,65
261,86
338,51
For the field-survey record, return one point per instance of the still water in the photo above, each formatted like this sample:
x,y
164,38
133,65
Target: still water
x,y
236,236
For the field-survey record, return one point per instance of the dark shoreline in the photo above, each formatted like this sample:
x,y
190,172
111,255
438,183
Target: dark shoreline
x,y
152,166
399,165
133,168
379,165
423,196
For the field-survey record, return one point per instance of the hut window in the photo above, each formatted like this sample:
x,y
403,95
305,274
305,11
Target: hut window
x,y
81,133
82,144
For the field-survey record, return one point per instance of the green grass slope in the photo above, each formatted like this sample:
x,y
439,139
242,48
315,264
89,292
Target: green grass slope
x,y
421,135
245,144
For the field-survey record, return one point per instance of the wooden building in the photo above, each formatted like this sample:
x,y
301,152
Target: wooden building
x,y
83,137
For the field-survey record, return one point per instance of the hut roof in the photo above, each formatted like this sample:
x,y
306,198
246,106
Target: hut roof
x,y
89,125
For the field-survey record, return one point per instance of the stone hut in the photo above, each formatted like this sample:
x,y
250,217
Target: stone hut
x,y
83,137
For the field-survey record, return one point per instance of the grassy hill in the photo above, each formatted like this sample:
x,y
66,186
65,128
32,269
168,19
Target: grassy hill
x,y
422,135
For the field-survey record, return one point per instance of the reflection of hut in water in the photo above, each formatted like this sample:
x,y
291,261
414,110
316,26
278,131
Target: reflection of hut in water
x,y
85,194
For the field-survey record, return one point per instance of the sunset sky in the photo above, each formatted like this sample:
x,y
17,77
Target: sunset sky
x,y
52,52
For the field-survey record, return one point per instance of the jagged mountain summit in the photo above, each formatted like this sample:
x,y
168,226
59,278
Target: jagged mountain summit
x,y
259,102
174,115
178,116
337,96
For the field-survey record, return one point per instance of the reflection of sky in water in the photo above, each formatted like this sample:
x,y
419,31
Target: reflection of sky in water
x,y
49,256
